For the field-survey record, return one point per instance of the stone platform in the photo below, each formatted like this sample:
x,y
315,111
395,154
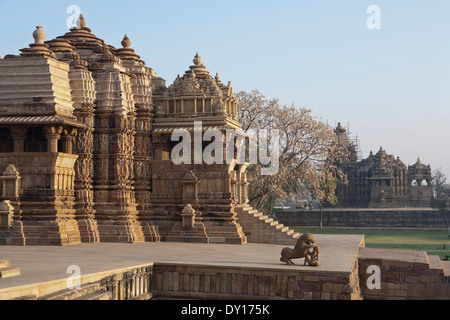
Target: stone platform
x,y
200,271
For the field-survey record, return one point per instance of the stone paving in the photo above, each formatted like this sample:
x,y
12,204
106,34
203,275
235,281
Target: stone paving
x,y
42,264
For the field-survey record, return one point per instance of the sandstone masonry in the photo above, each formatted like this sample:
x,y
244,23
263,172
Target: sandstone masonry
x,y
85,148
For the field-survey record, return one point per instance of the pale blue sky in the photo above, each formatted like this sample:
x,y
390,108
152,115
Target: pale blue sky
x,y
391,85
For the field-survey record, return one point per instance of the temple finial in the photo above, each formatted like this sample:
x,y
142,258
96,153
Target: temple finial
x,y
218,82
81,23
126,43
38,48
197,60
126,53
39,35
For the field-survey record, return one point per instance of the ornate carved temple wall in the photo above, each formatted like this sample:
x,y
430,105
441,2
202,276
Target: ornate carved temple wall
x,y
85,147
382,181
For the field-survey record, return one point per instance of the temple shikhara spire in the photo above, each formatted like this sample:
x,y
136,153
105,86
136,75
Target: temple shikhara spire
x,y
87,128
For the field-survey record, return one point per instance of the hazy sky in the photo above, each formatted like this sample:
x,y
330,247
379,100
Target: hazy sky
x,y
391,85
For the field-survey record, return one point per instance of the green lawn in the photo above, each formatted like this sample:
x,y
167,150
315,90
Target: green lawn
x,y
433,242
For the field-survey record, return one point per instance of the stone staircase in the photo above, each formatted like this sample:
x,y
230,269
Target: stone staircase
x,y
260,228
442,267
436,263
220,231
92,292
194,235
221,224
6,271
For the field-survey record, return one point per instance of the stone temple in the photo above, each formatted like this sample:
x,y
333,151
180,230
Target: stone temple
x,y
382,181
86,157
85,148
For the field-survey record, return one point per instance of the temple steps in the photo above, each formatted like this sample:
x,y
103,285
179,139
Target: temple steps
x,y
197,234
437,264
260,228
90,291
446,266
220,231
6,271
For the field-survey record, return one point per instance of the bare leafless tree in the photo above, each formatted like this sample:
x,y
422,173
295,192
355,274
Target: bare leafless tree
x,y
308,151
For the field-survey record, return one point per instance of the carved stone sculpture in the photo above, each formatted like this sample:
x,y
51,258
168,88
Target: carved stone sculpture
x,y
188,217
305,248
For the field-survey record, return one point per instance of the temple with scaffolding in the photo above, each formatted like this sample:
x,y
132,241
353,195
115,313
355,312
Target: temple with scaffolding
x,y
381,180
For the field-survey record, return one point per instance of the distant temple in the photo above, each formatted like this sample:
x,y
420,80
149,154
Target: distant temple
x,y
85,142
381,180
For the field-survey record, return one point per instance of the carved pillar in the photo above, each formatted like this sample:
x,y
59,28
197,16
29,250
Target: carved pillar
x,y
53,134
19,135
69,140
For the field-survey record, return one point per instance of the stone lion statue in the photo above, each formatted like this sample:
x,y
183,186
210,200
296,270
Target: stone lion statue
x,y
305,248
